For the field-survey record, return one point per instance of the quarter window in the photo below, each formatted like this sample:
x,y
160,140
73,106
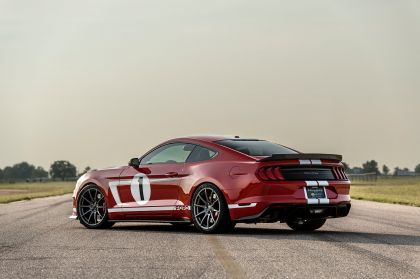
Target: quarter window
x,y
201,154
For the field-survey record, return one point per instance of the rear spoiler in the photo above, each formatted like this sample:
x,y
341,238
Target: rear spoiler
x,y
302,156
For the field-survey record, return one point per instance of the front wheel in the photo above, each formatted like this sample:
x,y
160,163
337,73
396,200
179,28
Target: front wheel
x,y
92,208
210,212
305,225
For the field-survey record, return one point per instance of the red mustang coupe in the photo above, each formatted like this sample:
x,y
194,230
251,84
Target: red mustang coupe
x,y
214,183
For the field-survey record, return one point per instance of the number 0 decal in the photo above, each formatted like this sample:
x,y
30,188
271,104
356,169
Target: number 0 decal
x,y
140,189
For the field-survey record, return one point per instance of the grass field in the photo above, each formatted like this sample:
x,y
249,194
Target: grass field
x,y
401,190
27,191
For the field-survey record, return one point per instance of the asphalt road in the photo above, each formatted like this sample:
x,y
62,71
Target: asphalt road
x,y
376,240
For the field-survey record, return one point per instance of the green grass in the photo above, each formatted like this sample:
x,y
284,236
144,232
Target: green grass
x,y
26,191
400,190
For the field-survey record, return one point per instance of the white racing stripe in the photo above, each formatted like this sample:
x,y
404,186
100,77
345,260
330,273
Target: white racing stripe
x,y
314,184
324,201
310,162
113,187
323,183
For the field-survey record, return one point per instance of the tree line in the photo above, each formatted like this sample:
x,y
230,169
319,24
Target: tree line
x,y
59,170
373,167
64,170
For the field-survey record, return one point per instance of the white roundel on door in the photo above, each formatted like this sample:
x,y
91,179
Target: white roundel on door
x,y
140,188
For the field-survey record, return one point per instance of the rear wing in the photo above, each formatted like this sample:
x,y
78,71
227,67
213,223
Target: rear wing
x,y
302,156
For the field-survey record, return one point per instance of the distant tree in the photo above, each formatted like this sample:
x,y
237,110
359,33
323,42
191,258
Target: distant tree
x,y
85,171
22,170
346,166
371,166
406,169
1,174
385,170
417,169
8,173
396,171
62,170
356,170
39,172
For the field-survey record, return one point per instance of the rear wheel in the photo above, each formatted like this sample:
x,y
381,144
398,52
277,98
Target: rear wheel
x,y
306,225
209,210
92,208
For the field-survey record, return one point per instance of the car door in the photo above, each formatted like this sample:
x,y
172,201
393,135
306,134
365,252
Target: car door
x,y
152,189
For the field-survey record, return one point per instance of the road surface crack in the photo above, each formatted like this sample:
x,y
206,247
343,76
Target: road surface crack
x,y
232,268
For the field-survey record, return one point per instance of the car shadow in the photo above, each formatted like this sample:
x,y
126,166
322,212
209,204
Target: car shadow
x,y
281,234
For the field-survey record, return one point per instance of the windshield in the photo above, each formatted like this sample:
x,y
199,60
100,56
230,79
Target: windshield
x,y
256,147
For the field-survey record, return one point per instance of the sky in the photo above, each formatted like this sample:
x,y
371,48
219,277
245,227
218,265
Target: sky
x,y
98,82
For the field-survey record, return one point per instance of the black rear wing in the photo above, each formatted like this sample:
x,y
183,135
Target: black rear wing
x,y
302,156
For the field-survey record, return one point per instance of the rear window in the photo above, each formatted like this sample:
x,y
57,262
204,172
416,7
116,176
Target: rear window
x,y
256,147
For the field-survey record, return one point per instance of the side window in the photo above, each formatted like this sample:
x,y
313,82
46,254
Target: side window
x,y
201,154
169,153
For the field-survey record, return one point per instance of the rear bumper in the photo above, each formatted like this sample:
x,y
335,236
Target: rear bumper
x,y
260,197
284,212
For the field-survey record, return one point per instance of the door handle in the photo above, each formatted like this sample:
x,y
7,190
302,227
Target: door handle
x,y
171,174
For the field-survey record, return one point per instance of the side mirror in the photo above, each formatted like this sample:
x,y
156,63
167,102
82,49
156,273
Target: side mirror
x,y
135,162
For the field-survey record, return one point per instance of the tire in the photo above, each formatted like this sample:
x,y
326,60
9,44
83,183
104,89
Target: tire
x,y
306,225
92,209
209,210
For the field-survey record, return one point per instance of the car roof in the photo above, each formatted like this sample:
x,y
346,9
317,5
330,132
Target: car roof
x,y
210,138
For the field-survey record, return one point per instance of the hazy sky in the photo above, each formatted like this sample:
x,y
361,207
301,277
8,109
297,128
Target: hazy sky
x,y
98,82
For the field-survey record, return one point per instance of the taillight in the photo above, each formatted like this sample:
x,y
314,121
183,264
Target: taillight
x,y
339,173
270,174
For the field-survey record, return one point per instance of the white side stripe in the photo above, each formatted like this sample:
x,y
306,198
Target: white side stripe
x,y
170,179
139,209
316,162
163,208
242,206
311,183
